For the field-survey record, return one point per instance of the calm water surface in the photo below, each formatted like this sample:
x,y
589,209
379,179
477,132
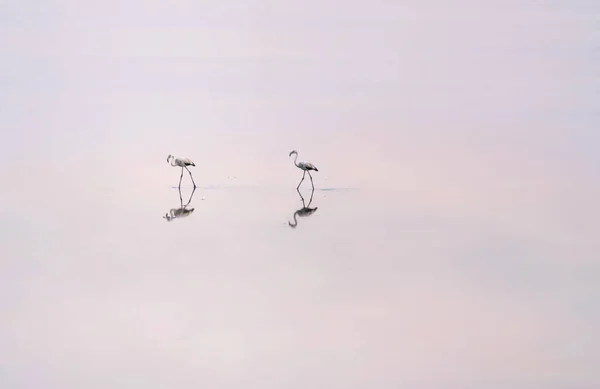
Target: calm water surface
x,y
374,286
450,243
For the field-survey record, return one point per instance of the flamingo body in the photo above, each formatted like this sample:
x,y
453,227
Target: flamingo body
x,y
305,166
183,163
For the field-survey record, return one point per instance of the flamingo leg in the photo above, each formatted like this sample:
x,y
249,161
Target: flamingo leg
x,y
180,178
300,194
311,181
190,176
301,180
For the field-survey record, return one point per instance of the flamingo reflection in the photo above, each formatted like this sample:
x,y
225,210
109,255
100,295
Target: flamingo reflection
x,y
182,211
305,211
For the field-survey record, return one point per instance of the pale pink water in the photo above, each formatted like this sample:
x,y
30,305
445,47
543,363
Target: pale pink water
x,y
455,240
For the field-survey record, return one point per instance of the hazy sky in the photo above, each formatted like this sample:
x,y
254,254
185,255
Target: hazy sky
x,y
502,95
493,79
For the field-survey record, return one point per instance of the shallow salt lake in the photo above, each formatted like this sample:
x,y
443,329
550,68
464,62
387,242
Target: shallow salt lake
x,y
371,286
451,241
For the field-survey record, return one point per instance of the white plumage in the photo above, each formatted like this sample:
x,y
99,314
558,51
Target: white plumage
x,y
183,163
305,166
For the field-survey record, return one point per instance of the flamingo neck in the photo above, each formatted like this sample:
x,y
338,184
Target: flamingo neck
x,y
296,159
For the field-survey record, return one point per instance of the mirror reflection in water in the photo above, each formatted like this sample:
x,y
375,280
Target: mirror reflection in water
x,y
305,211
182,211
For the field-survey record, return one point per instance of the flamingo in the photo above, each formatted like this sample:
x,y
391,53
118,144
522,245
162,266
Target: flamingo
x,y
183,163
305,166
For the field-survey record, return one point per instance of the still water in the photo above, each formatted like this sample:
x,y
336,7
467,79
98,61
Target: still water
x,y
235,285
450,241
